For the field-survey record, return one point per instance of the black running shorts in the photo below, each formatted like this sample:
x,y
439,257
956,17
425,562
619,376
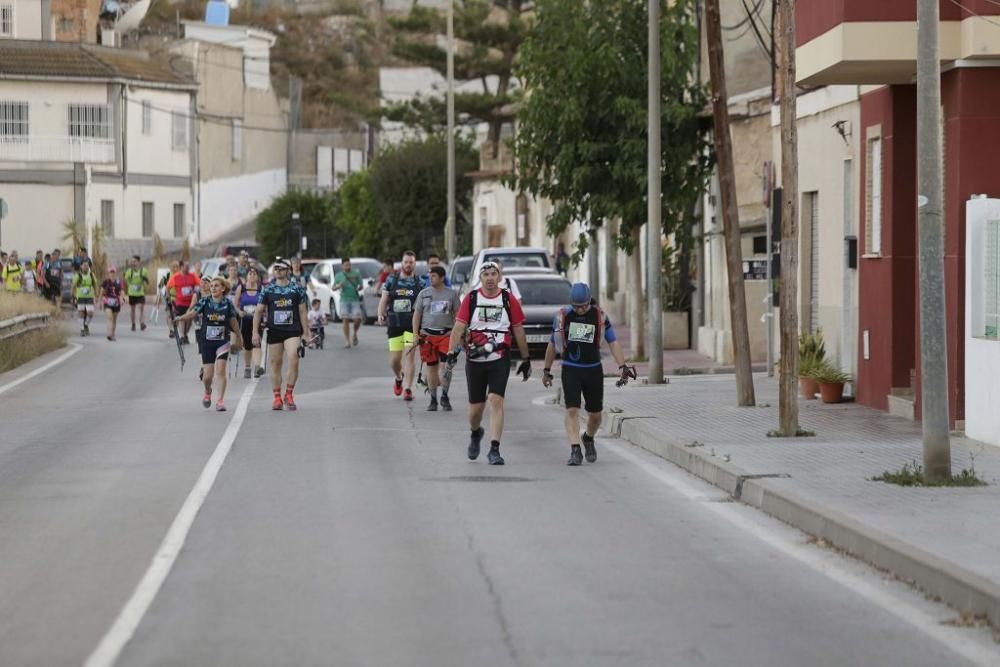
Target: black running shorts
x,y
485,377
588,382
279,336
136,300
246,330
210,351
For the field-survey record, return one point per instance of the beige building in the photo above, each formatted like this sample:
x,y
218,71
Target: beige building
x,y
320,159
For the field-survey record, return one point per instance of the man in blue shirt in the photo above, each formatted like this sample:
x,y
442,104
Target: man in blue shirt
x,y
577,334
433,260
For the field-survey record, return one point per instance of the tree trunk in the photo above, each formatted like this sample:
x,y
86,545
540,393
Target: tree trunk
x,y
788,402
730,208
637,319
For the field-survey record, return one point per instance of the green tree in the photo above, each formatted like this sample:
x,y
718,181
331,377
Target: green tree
x,y
488,36
356,217
278,235
581,139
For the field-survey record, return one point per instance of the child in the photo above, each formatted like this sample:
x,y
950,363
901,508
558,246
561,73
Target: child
x,y
316,322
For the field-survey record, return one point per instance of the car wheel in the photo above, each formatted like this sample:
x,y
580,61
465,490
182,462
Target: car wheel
x,y
333,311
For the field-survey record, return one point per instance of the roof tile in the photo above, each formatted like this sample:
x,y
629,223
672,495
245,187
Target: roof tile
x,y
27,58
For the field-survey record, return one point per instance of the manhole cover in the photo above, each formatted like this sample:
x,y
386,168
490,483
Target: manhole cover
x,y
480,478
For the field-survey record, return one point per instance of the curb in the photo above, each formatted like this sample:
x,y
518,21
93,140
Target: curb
x,y
940,578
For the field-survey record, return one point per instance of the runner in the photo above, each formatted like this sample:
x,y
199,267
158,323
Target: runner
x,y
84,289
493,319
244,264
41,261
247,298
182,287
219,319
111,300
13,273
285,305
297,275
168,295
351,284
577,334
400,293
432,324
204,292
433,260
54,278
136,280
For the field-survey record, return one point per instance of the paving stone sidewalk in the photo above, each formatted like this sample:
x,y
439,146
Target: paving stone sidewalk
x,y
821,483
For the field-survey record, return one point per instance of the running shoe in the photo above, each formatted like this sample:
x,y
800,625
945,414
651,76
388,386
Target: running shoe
x,y
277,404
408,395
445,403
206,401
247,373
575,456
133,326
110,338
588,446
186,340
397,387
170,334
477,437
219,407
142,326
355,340
433,407
259,372
494,457
290,402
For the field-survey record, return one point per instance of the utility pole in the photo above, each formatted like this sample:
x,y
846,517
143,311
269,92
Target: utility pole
x,y
788,372
930,232
654,225
730,207
449,228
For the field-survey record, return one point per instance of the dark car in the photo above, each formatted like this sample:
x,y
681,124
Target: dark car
x,y
542,296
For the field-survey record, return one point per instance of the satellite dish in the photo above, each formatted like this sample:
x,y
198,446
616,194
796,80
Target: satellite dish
x,y
132,17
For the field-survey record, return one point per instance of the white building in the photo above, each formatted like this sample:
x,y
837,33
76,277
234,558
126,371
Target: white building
x,y
97,135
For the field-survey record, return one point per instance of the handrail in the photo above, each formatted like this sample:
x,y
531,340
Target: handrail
x,y
23,324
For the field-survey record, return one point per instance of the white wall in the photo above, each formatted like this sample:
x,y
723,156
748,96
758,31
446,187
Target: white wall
x,y
982,355
154,153
27,19
228,202
128,208
35,216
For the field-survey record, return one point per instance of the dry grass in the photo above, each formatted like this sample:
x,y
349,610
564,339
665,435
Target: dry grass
x,y
20,349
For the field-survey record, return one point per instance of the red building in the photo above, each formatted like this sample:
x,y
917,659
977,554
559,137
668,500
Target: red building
x,y
873,44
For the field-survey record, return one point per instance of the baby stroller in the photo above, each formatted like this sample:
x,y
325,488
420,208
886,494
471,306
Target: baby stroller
x,y
318,335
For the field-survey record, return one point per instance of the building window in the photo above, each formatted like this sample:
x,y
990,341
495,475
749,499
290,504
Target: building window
x,y
148,225
237,135
178,220
6,20
147,117
92,121
108,217
179,127
873,196
13,120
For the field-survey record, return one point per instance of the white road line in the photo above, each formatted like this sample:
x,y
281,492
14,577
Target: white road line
x,y
815,558
131,615
74,348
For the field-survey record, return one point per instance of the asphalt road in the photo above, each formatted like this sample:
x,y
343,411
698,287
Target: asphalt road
x,y
355,532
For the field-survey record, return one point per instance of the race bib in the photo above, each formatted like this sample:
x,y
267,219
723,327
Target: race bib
x,y
250,310
402,306
581,333
84,291
186,291
439,307
215,333
282,317
490,313
111,301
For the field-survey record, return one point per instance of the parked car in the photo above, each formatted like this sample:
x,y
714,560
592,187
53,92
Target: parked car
x,y
307,267
459,271
542,295
213,266
511,260
321,283
236,247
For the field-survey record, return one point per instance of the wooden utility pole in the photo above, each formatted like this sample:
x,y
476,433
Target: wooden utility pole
x,y
730,207
788,372
637,318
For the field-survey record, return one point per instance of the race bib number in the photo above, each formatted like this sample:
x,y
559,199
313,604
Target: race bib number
x,y
111,301
581,333
401,306
490,313
84,291
439,307
249,311
186,291
282,317
215,333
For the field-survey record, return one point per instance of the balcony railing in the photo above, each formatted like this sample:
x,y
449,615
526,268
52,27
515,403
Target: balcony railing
x,y
56,149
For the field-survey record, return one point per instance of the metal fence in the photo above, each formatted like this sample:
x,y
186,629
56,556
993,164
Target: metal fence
x,y
23,324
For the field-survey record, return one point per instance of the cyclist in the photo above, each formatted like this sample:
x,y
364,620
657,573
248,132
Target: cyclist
x,y
54,278
351,284
111,299
219,319
577,334
493,319
184,285
433,321
136,280
285,305
399,293
247,298
84,289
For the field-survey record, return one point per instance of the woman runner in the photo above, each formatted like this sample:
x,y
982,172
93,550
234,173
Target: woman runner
x,y
247,298
111,299
219,319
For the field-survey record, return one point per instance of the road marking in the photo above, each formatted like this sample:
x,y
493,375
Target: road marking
x,y
41,369
131,615
825,563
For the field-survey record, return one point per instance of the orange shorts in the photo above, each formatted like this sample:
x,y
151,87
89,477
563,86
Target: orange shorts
x,y
434,348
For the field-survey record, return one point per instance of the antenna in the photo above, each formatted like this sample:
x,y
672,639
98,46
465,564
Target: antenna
x,y
133,16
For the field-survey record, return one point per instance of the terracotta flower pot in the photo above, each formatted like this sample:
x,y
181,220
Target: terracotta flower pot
x,y
831,392
808,388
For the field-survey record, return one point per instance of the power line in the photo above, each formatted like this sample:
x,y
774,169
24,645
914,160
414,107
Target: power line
x,y
976,15
221,121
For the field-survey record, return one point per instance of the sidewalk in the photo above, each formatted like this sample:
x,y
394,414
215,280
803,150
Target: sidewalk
x,y
945,540
675,362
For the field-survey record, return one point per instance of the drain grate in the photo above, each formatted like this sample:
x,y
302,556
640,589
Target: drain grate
x,y
479,478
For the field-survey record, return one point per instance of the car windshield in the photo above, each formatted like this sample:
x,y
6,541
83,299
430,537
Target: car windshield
x,y
368,269
460,270
537,260
543,292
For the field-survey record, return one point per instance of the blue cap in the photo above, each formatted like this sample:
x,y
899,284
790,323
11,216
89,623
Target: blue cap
x,y
579,294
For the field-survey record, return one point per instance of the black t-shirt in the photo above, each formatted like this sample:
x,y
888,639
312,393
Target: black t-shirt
x,y
282,303
402,293
582,336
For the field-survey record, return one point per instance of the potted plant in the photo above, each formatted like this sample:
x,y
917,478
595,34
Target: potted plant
x,y
812,355
831,382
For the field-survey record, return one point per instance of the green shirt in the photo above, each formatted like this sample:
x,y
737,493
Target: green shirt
x,y
352,285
